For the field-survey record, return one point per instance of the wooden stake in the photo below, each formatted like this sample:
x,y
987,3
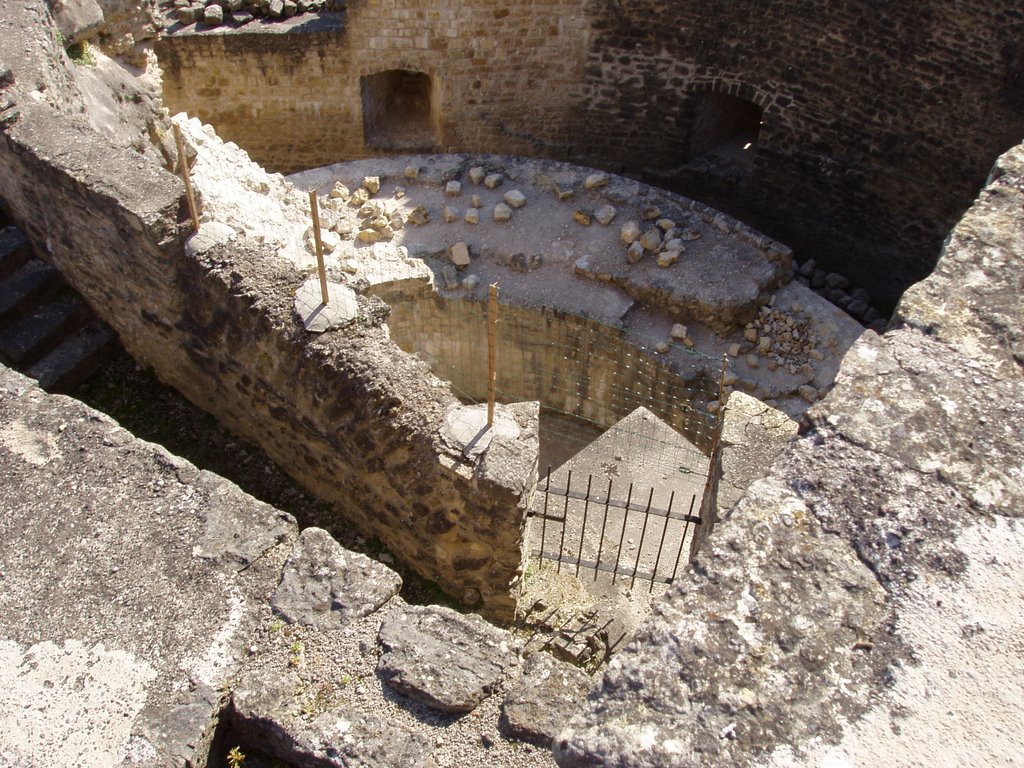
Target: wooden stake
x,y
721,407
183,164
492,350
319,246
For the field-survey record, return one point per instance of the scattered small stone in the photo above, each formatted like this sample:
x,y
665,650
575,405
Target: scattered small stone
x,y
689,234
369,235
359,198
453,188
750,334
666,224
502,213
399,193
412,172
815,354
471,282
730,379
753,362
595,180
675,244
472,216
213,14
419,215
630,232
661,347
514,198
635,252
651,239
564,192
668,258
339,191
605,214
734,350
764,345
493,180
450,214
395,220
651,213
450,275
679,331
835,280
808,393
371,184
476,202
477,174
582,216
723,223
808,268
459,254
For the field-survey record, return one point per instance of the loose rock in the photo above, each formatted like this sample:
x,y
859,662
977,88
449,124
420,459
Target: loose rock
x,y
514,198
502,213
459,254
548,694
630,232
605,214
447,660
326,586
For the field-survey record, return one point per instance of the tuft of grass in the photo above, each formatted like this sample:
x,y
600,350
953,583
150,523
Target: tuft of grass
x,y
236,758
82,54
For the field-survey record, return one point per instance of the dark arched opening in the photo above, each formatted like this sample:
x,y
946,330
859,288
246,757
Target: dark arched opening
x,y
399,111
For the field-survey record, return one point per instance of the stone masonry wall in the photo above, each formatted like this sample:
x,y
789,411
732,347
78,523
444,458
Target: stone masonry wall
x,y
879,123
564,361
347,413
290,93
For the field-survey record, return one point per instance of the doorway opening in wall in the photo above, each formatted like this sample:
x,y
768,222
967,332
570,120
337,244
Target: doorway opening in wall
x,y
724,136
399,111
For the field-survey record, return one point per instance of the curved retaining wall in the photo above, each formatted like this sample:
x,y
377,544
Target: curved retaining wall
x,y
569,363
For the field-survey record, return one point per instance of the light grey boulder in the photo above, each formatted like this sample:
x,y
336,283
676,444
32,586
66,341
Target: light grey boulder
x,y
326,586
548,694
444,659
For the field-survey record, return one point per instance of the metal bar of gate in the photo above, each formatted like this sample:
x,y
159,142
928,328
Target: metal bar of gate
x,y
583,528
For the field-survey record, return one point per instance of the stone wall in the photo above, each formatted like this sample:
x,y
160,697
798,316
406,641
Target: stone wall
x,y
879,124
566,362
289,93
346,413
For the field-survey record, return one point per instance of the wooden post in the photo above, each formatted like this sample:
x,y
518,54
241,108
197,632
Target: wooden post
x,y
721,406
319,246
492,350
183,164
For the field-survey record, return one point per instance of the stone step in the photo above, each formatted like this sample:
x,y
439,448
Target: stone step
x,y
14,250
40,330
25,286
75,359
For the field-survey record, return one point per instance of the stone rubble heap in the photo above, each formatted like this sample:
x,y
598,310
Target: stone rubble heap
x,y
836,288
215,13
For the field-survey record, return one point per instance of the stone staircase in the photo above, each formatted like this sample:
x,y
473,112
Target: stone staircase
x,y
47,331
